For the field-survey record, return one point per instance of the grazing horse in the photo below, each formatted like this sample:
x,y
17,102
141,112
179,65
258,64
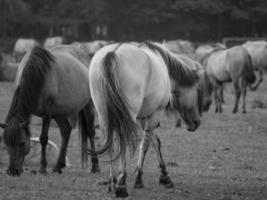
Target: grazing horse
x,y
258,53
226,65
204,84
50,84
130,83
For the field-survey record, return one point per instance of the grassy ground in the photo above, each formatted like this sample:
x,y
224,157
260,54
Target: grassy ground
x,y
225,159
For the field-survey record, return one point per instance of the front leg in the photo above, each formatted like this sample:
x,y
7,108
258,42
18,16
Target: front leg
x,y
44,140
65,130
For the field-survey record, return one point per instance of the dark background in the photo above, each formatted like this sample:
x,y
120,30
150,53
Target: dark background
x,y
128,20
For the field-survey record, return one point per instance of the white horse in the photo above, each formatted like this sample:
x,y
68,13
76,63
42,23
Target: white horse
x,y
128,83
258,53
23,46
53,41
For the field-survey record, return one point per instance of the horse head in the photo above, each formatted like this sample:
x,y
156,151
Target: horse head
x,y
16,136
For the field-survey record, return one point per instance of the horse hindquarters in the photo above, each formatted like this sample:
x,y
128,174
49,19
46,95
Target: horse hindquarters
x,y
114,112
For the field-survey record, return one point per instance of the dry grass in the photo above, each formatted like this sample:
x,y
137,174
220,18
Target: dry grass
x,y
225,158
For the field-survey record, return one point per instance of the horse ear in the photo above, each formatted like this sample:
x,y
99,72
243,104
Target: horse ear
x,y
2,125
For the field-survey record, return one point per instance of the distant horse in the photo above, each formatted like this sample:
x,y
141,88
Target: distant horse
x,y
23,46
130,83
91,47
258,53
50,84
53,42
230,65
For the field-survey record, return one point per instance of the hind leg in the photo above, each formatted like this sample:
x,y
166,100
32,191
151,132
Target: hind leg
x,y
121,189
221,94
237,94
244,93
65,130
44,140
90,122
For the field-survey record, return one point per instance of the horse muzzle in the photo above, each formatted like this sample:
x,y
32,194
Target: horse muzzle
x,y
194,125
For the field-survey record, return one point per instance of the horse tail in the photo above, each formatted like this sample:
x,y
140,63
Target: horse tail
x,y
86,129
118,108
249,74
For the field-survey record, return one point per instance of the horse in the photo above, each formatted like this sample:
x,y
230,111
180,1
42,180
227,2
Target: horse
x,y
230,65
51,84
258,53
131,83
23,46
203,50
53,42
91,47
204,84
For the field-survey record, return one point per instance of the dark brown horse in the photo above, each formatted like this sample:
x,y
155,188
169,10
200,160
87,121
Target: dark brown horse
x,y
50,84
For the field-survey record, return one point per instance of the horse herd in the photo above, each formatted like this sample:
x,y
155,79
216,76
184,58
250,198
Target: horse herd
x,y
129,85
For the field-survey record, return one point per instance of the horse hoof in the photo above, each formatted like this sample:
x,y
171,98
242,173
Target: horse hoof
x,y
244,112
166,181
139,184
57,170
121,192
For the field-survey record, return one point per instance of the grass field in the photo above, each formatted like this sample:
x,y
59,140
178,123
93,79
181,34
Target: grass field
x,y
225,159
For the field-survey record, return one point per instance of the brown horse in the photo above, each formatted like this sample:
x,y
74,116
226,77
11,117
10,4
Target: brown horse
x,y
130,83
50,84
230,65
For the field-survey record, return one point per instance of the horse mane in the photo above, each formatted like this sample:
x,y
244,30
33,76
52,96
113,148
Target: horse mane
x,y
181,74
26,95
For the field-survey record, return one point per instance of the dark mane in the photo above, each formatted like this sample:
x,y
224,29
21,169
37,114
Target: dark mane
x,y
29,88
177,71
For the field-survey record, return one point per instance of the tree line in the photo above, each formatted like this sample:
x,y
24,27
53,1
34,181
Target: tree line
x,y
197,20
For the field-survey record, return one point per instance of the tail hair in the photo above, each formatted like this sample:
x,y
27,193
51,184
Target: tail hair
x,y
249,74
118,107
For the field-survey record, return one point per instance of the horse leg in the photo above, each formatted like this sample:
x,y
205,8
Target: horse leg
x,y
244,93
90,123
44,140
112,179
121,189
237,93
220,88
144,146
221,94
259,81
216,99
164,178
65,130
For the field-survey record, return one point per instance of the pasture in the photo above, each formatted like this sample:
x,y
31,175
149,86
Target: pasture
x,y
225,159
